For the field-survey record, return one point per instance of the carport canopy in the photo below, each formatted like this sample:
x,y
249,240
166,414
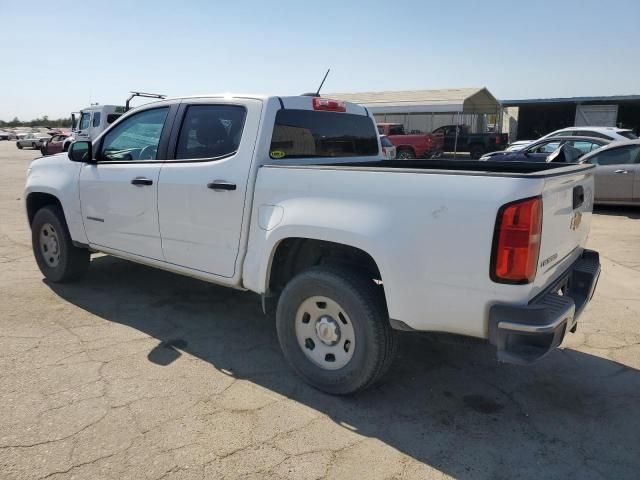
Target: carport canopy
x,y
449,100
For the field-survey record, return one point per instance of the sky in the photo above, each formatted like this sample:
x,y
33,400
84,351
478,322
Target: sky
x,y
60,57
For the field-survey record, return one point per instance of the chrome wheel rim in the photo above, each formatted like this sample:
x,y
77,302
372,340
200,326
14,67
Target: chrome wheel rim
x,y
325,333
49,245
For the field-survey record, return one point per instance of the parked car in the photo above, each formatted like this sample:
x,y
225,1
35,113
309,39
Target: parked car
x,y
476,144
518,145
32,140
388,149
572,149
617,174
4,135
56,144
409,146
608,133
290,198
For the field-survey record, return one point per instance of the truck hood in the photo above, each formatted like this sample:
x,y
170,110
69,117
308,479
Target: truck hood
x,y
49,160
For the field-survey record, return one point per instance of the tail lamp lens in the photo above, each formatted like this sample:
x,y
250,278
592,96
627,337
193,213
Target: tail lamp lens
x,y
516,243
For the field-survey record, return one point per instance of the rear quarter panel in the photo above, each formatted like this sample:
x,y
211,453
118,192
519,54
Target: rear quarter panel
x,y
430,235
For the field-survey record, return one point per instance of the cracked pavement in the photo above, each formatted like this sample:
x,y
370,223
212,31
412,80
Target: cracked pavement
x,y
139,373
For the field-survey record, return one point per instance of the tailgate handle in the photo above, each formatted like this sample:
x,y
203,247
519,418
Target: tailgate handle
x,y
578,196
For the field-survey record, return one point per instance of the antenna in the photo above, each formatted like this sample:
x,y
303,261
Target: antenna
x,y
317,93
322,83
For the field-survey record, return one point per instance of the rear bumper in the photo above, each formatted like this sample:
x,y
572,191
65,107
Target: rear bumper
x,y
526,333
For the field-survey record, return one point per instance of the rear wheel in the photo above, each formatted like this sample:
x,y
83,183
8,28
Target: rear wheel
x,y
34,146
19,146
334,329
476,151
405,154
58,259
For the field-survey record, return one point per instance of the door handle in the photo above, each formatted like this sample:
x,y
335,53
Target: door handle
x,y
622,172
221,185
141,181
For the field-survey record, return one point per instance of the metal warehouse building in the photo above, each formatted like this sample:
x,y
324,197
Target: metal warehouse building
x,y
530,119
426,110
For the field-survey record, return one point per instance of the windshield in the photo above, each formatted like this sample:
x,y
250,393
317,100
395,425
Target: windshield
x,y
384,141
84,121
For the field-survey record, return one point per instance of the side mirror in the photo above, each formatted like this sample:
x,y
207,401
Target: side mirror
x,y
81,152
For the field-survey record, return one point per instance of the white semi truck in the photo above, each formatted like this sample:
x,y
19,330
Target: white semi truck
x,y
91,121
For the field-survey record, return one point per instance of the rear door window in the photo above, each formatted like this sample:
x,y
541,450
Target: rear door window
x,y
308,133
96,119
584,146
210,131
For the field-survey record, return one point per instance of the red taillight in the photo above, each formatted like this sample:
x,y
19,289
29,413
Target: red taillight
x,y
498,139
516,242
328,105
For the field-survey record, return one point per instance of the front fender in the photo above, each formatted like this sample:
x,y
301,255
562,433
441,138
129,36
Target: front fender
x,y
56,175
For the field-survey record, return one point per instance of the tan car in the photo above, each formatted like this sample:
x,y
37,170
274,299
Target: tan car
x,y
32,140
617,175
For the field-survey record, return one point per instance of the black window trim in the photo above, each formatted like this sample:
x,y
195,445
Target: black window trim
x,y
162,144
181,113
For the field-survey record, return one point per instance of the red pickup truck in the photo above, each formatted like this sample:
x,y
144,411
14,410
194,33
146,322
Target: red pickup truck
x,y
427,145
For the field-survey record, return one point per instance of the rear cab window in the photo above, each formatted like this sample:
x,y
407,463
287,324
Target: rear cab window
x,y
317,134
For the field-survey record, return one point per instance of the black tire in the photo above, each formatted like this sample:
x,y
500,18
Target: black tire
x,y
405,154
73,262
34,146
19,146
363,303
476,151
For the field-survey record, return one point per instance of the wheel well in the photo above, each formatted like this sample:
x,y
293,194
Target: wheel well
x,y
293,255
37,200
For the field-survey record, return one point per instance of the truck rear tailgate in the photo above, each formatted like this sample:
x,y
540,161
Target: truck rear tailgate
x,y
567,203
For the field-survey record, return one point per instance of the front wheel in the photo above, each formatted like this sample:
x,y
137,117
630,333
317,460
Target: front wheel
x,y
406,155
58,259
34,146
19,146
334,330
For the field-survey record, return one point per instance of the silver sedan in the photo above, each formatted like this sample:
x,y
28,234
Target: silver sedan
x,y
617,175
33,140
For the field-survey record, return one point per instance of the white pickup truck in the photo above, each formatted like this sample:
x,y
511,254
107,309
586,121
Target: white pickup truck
x,y
289,197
